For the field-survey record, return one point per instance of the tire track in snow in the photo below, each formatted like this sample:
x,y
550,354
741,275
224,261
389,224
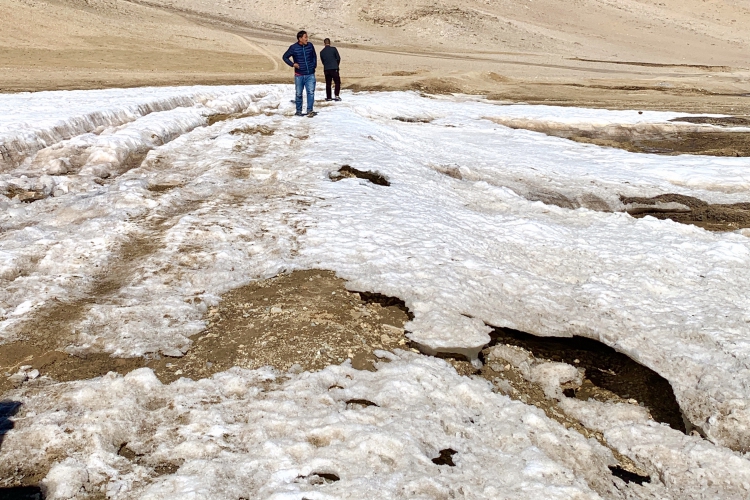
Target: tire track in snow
x,y
56,326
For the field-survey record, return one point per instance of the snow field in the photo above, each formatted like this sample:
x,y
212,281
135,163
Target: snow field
x,y
456,235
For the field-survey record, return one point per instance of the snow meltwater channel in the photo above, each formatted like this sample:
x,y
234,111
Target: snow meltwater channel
x,y
210,188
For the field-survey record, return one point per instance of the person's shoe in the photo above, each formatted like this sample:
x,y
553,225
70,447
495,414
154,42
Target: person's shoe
x,y
329,99
298,113
311,114
337,98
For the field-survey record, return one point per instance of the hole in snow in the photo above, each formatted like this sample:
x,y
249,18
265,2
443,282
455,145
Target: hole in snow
x,y
347,171
385,301
327,476
610,376
360,402
22,493
320,478
627,476
445,458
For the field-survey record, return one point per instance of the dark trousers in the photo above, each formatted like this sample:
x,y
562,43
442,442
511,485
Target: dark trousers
x,y
332,74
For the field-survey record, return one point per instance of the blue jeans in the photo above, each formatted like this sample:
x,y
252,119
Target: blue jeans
x,y
304,82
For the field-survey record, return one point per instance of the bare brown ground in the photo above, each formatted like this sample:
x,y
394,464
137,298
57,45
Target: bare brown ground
x,y
717,217
696,143
306,318
707,143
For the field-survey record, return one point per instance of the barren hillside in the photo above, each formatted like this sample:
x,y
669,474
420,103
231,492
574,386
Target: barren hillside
x,y
692,54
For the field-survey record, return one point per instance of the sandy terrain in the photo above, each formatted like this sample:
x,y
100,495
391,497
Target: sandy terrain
x,y
689,55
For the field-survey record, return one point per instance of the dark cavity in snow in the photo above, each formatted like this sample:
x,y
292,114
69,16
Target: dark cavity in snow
x,y
320,478
360,402
610,375
445,458
22,493
627,476
347,171
385,301
7,410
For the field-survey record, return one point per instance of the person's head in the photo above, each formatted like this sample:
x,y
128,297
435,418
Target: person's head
x,y
327,41
302,37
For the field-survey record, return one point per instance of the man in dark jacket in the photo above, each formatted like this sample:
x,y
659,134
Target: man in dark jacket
x,y
330,58
304,61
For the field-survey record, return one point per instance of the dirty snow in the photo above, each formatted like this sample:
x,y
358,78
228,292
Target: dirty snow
x,y
457,235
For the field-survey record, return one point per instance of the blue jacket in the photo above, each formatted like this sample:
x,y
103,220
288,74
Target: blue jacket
x,y
304,55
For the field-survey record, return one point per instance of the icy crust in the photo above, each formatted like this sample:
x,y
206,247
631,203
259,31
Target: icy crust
x,y
257,434
33,121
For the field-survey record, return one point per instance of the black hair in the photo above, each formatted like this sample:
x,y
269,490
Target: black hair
x,y
327,41
301,34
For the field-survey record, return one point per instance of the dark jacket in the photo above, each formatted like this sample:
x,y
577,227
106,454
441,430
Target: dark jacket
x,y
330,58
304,55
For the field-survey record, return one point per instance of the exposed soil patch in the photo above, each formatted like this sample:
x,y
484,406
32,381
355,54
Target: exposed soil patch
x,y
221,117
409,119
350,172
610,376
23,195
306,318
445,457
161,188
719,217
160,469
667,140
256,129
717,143
725,121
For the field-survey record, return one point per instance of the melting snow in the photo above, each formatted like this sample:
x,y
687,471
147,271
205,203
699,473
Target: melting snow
x,y
457,235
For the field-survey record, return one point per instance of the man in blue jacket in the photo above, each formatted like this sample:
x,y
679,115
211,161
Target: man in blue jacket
x,y
301,56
